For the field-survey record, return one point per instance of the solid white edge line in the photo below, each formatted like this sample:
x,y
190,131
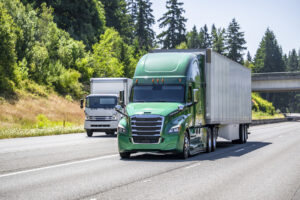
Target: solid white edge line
x,y
239,150
58,165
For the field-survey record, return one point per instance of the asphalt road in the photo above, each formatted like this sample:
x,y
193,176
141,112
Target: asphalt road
x,y
77,167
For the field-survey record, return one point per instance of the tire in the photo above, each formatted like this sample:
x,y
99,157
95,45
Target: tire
x,y
246,133
186,147
241,139
208,141
89,133
109,132
214,138
124,155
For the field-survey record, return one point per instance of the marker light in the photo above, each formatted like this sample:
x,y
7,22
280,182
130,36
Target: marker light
x,y
152,80
136,81
179,80
157,80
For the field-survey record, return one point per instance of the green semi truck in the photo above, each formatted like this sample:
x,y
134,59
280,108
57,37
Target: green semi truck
x,y
181,101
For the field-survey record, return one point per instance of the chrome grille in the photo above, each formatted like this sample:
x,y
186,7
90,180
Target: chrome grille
x,y
146,128
101,118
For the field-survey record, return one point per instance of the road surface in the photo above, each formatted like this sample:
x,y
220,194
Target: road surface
x,y
77,167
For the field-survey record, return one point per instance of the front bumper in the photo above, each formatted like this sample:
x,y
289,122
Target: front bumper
x,y
101,125
167,143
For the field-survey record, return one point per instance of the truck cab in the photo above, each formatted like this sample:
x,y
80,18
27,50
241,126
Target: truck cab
x,y
100,114
165,110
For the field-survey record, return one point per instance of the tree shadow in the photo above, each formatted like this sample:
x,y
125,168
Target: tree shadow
x,y
224,150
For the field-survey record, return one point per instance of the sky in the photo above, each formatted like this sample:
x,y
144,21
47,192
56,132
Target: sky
x,y
253,16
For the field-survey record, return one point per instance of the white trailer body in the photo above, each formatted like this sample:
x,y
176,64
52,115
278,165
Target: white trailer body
x,y
228,94
100,104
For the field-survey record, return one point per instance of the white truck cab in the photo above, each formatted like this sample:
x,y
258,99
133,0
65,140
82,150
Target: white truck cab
x,y
100,114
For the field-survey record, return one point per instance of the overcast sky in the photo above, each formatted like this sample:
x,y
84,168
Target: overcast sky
x,y
254,17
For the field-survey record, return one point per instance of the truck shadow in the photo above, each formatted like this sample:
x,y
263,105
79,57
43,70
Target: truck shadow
x,y
224,150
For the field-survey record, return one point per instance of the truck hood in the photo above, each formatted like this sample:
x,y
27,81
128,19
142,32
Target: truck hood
x,y
160,108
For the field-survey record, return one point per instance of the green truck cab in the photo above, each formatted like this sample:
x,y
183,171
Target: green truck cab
x,y
167,108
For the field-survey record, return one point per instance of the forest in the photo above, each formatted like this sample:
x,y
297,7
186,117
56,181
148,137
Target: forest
x,y
58,45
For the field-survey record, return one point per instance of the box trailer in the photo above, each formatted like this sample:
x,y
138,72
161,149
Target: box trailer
x,y
183,100
100,103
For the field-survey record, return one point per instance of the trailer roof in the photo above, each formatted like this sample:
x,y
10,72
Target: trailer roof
x,y
164,64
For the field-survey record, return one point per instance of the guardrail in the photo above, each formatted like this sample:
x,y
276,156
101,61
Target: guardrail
x,y
277,120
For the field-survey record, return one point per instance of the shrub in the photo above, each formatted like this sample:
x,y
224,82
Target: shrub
x,y
260,104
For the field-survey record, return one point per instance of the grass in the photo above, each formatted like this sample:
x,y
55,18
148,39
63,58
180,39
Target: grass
x,y
30,114
262,115
16,132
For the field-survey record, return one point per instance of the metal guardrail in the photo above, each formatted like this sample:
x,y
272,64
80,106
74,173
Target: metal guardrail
x,y
277,120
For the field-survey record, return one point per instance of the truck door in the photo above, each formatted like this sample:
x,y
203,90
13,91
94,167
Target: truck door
x,y
193,133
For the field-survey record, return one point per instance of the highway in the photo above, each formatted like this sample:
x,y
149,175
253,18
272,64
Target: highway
x,y
77,167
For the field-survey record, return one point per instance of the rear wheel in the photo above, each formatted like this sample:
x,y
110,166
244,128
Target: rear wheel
x,y
89,133
125,155
242,134
214,138
208,140
186,147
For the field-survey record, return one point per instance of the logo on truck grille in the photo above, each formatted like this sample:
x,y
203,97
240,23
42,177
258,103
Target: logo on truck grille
x,y
146,129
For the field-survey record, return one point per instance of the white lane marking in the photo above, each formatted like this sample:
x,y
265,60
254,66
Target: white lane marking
x,y
58,165
146,181
239,150
191,166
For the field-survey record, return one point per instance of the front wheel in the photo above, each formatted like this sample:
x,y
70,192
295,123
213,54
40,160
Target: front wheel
x,y
89,133
208,140
125,155
186,147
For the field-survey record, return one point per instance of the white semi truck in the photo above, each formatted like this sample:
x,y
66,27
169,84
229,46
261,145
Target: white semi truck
x,y
100,115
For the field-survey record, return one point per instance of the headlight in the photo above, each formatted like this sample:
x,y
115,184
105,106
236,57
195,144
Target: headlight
x,y
87,117
121,129
175,129
114,117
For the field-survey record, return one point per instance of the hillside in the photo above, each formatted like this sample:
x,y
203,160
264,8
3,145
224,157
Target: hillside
x,y
33,115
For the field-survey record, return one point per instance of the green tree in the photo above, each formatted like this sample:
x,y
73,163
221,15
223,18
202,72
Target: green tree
x,y
84,20
192,39
293,62
235,42
204,38
249,57
117,17
144,22
7,51
268,56
218,40
174,20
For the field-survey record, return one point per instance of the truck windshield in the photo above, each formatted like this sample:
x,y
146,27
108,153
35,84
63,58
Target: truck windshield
x,y
157,93
101,102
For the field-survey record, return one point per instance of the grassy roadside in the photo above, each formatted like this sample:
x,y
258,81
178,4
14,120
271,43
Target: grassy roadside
x,y
29,115
262,115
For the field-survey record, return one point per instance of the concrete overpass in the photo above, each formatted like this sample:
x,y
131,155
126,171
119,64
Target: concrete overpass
x,y
276,82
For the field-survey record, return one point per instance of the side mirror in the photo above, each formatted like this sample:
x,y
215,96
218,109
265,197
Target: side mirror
x,y
118,108
180,108
121,98
195,95
81,103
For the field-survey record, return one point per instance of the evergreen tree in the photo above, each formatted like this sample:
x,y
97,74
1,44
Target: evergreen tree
x,y
174,20
117,17
249,58
218,40
193,39
132,10
204,38
144,22
268,56
235,42
293,62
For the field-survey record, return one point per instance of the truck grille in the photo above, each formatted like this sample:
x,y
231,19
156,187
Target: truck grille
x,y
146,128
101,118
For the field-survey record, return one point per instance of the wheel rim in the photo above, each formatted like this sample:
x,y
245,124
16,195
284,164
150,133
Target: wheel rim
x,y
209,141
186,146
